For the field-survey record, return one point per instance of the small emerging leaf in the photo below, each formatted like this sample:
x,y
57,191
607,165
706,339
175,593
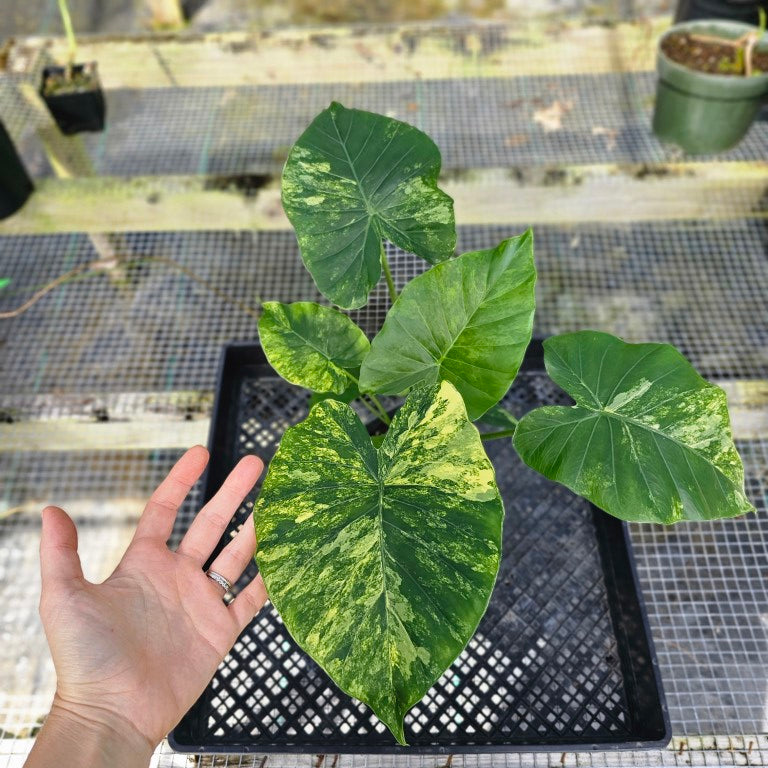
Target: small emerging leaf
x,y
467,321
311,345
347,396
649,440
353,178
4,282
498,417
381,561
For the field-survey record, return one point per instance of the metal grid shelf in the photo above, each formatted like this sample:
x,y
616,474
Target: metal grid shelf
x,y
145,327
249,129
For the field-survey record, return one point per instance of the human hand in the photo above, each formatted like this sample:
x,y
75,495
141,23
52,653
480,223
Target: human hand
x,y
134,653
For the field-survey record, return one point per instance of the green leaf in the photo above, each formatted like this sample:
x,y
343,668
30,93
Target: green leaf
x,y
499,417
353,178
649,440
347,396
467,321
4,282
381,561
311,345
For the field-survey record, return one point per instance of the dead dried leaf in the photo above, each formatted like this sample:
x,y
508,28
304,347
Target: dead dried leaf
x,y
551,118
609,133
517,139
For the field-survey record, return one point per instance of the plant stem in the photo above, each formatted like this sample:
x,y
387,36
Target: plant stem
x,y
497,435
13,511
388,275
375,403
96,267
173,264
70,32
369,406
383,415
46,289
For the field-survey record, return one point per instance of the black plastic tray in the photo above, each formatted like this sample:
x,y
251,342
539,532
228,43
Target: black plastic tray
x,y
563,659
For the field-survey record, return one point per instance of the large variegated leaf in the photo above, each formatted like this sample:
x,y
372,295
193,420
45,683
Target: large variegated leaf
x,y
353,178
648,440
467,321
311,345
382,561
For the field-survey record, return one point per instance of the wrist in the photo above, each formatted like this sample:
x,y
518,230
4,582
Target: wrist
x,y
93,736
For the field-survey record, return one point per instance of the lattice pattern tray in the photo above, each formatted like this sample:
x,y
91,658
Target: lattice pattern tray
x,y
561,659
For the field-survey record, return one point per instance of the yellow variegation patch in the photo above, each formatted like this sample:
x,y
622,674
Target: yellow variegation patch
x,y
313,346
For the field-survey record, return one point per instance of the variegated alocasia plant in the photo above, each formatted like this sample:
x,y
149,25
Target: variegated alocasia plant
x,y
380,554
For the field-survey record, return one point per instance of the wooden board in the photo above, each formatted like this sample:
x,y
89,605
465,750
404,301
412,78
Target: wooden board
x,y
66,435
147,430
359,55
610,193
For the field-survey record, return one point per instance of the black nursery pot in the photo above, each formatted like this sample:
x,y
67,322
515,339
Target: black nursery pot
x,y
15,184
745,11
77,107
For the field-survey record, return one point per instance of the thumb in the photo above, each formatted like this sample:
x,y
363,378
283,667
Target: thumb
x,y
59,560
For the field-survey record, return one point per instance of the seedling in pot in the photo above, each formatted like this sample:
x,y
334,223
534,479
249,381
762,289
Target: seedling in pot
x,y
73,92
719,54
381,554
713,77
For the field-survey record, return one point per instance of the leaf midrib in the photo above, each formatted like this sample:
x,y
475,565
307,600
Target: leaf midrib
x,y
642,425
476,309
351,165
381,484
317,349
438,362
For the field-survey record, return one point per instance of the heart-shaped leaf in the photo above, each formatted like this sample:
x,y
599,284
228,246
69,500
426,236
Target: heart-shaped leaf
x,y
353,178
311,345
381,561
649,440
467,321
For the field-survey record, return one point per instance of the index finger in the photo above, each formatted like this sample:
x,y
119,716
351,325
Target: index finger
x,y
157,520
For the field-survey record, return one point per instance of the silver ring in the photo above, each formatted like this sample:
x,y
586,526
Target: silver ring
x,y
219,579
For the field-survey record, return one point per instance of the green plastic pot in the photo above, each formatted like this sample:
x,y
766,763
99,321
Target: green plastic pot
x,y
701,112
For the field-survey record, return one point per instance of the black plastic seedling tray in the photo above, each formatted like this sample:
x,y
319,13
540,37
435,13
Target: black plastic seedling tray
x,y
79,110
563,659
